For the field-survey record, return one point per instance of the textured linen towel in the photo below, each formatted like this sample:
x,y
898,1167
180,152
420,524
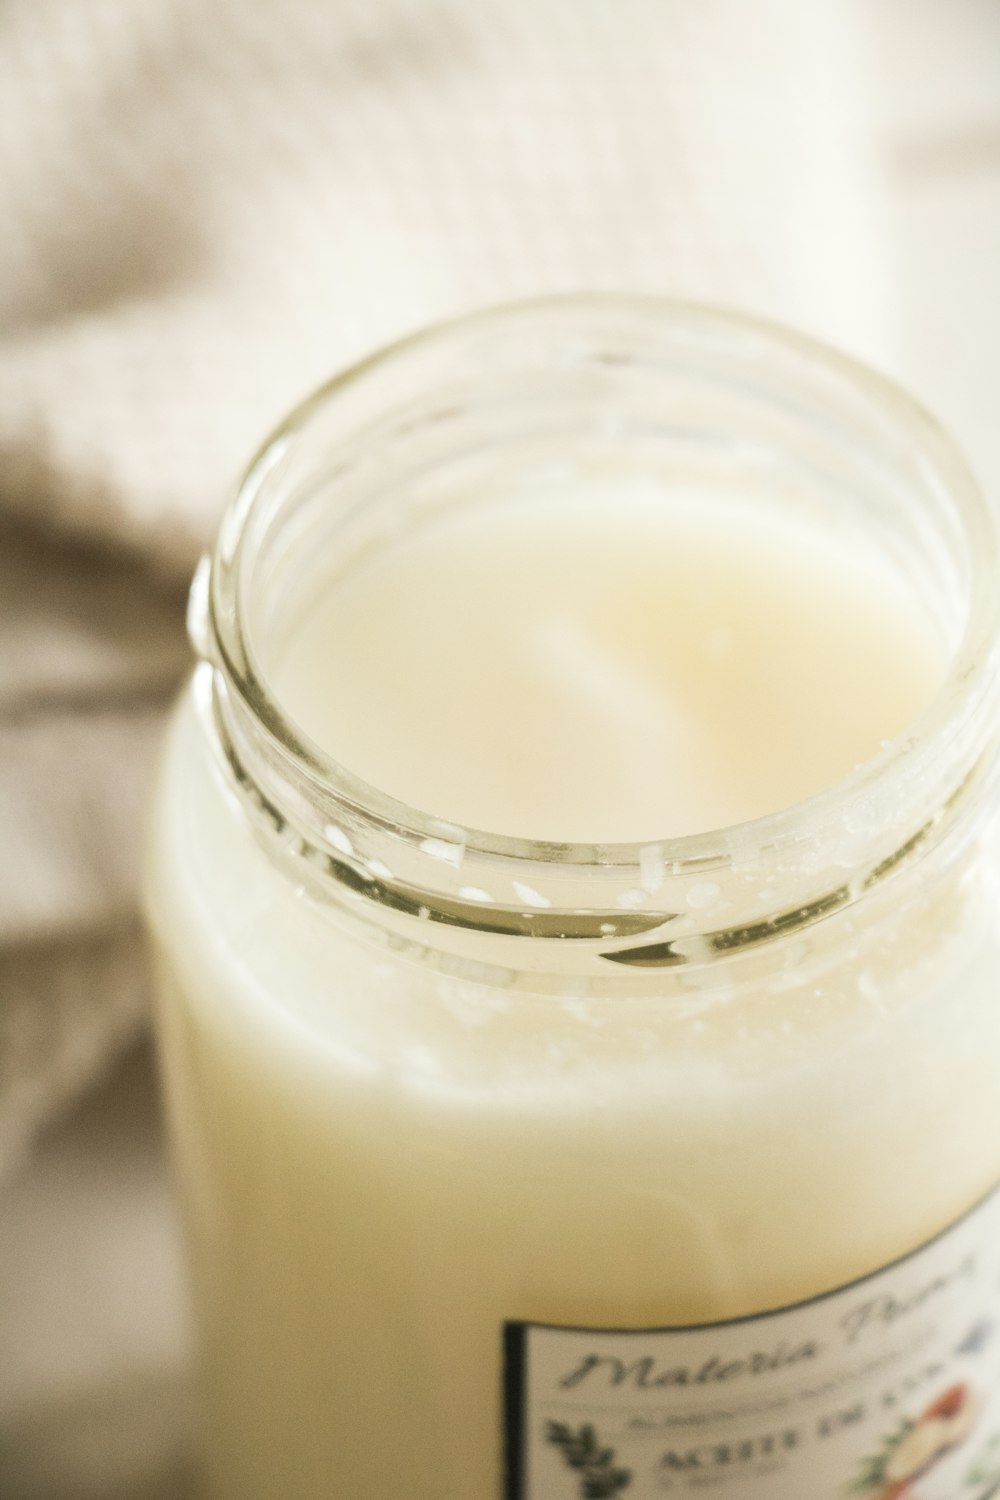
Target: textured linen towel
x,y
89,652
207,207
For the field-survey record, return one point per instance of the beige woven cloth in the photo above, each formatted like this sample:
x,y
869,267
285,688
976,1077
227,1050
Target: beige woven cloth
x,y
209,205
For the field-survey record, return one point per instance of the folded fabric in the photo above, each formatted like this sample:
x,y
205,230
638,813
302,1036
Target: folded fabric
x,y
90,654
208,206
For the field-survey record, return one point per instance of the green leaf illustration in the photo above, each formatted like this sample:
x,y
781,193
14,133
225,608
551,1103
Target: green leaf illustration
x,y
986,1469
583,1452
872,1477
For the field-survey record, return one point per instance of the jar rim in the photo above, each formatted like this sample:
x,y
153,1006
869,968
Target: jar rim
x,y
961,695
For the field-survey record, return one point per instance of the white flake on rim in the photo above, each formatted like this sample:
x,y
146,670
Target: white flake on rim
x,y
474,893
529,895
442,849
632,900
704,894
652,873
338,838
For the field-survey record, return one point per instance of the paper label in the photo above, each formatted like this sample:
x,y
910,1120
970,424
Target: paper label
x,y
887,1389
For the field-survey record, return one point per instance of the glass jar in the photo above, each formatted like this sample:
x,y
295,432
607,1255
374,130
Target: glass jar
x,y
547,1170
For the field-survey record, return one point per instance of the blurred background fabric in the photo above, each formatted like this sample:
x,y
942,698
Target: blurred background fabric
x,y
207,207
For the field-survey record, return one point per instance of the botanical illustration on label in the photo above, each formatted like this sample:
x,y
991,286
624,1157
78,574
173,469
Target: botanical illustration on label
x,y
888,1389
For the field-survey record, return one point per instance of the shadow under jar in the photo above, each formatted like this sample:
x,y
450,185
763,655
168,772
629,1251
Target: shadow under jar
x,y
549,1170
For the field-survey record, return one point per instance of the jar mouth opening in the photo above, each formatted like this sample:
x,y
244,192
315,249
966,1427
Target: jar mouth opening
x,y
220,609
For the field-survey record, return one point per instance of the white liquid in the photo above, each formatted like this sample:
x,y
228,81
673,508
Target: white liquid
x,y
610,667
383,1162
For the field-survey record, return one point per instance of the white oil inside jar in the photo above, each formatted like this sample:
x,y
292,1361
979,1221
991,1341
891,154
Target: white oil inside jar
x,y
611,665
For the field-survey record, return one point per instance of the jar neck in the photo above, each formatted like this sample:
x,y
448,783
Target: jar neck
x,y
641,385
